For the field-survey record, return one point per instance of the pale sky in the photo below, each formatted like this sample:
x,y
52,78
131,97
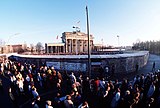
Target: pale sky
x,y
43,20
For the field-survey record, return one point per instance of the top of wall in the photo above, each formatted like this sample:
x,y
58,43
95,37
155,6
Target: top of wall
x,y
139,53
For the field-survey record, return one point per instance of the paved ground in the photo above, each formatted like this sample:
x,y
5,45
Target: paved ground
x,y
5,101
146,69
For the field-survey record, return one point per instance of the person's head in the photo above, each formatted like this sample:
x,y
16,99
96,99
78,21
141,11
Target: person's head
x,y
52,68
33,102
80,75
18,79
87,78
58,94
34,89
110,82
10,90
68,97
130,86
118,90
127,92
97,78
116,81
77,93
48,102
85,103
38,98
103,79
72,93
38,74
151,100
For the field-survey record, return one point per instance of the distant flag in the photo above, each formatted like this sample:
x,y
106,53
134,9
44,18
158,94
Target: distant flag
x,y
57,37
78,22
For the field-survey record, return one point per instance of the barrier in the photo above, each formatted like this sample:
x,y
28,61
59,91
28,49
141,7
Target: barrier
x,y
117,63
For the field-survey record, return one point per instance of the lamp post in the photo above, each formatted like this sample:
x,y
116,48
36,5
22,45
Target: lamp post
x,y
89,60
118,40
102,44
11,37
9,40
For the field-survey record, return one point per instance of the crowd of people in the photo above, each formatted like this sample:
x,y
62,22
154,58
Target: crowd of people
x,y
78,91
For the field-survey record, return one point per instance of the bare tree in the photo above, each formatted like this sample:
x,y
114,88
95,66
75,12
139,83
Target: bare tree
x,y
39,47
151,46
32,48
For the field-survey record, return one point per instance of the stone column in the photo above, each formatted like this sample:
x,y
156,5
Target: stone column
x,y
91,43
80,46
76,47
66,46
46,48
51,49
55,49
83,46
58,49
71,45
64,49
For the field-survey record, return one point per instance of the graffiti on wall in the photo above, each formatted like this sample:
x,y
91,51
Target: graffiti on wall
x,y
68,66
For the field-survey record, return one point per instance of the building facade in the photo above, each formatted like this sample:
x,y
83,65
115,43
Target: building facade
x,y
72,42
54,48
13,48
76,42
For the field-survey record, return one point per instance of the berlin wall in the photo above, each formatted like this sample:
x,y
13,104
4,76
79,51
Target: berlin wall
x,y
119,63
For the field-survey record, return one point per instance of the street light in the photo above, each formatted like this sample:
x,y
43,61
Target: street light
x,y
89,60
9,40
118,40
102,43
12,36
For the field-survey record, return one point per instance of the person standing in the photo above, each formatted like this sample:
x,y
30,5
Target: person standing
x,y
113,70
107,74
13,98
1,85
68,103
2,69
137,67
115,99
153,67
84,105
72,78
151,90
